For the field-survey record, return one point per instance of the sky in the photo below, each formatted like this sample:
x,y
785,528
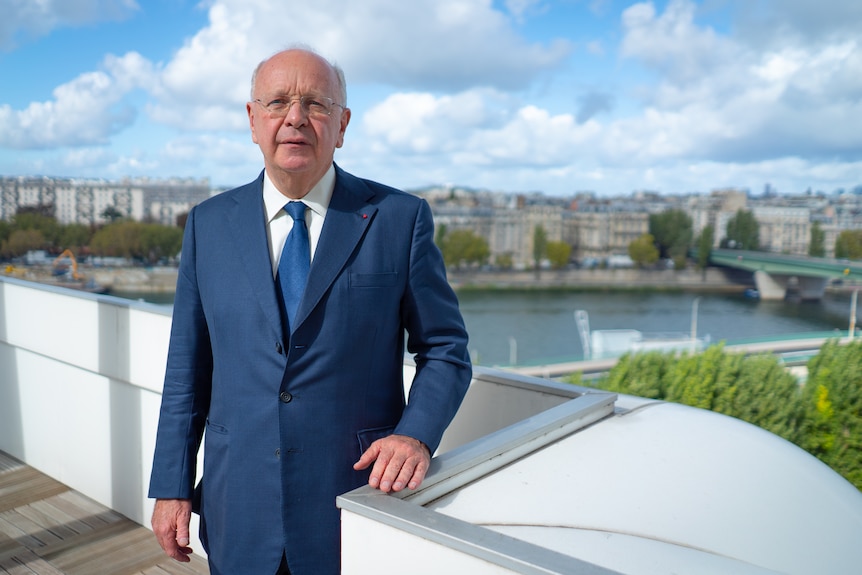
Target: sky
x,y
520,96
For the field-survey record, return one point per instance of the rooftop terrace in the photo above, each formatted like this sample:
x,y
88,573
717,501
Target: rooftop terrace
x,y
47,528
532,476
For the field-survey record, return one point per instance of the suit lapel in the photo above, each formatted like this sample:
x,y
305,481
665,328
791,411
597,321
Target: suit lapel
x,y
247,226
347,218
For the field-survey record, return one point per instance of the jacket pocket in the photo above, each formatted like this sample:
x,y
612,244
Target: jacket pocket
x,y
368,436
216,428
383,279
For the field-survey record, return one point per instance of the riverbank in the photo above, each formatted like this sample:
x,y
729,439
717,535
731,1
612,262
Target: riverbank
x,y
131,279
164,279
716,280
617,279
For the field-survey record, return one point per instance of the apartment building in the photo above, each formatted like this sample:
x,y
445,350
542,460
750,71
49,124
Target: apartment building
x,y
86,201
784,230
594,227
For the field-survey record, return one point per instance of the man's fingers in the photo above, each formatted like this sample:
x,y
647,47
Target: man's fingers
x,y
399,462
171,526
389,471
405,474
367,458
183,534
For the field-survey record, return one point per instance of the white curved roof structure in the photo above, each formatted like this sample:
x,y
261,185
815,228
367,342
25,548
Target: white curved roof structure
x,y
600,484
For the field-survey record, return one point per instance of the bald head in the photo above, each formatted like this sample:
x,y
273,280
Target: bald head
x,y
305,52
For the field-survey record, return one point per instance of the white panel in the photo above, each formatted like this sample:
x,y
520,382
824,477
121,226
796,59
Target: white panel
x,y
53,323
66,423
148,339
372,547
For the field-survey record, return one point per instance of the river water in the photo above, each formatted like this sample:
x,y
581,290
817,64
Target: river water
x,y
543,328
532,327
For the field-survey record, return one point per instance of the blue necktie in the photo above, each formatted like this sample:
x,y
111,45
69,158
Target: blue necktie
x,y
295,261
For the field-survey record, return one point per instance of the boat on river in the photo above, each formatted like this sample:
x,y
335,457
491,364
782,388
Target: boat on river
x,y
605,343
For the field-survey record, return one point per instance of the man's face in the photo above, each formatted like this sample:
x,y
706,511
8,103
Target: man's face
x,y
299,146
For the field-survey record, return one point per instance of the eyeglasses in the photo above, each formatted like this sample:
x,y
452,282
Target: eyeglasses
x,y
311,106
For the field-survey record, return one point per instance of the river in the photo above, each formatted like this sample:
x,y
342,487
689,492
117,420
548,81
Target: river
x,y
543,329
532,327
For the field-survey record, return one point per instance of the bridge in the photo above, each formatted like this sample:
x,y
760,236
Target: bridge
x,y
776,275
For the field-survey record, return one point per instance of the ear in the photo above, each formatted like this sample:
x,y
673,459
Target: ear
x,y
251,121
345,119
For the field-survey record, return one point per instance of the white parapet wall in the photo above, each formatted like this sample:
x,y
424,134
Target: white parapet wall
x,y
80,388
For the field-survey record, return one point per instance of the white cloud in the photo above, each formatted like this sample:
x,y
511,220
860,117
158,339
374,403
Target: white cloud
x,y
478,128
716,98
421,123
192,150
521,8
672,44
771,24
23,19
466,98
428,44
87,110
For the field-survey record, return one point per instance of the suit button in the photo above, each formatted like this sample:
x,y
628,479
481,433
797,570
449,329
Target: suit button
x,y
278,453
278,347
285,397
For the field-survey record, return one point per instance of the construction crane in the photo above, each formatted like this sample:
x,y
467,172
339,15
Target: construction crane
x,y
68,254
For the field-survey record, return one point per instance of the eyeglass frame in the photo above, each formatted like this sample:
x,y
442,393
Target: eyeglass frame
x,y
325,101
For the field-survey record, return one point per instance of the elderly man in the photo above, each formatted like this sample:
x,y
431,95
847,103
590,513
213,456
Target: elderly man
x,y
293,299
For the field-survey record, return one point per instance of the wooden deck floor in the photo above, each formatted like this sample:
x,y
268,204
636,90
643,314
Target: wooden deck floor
x,y
48,529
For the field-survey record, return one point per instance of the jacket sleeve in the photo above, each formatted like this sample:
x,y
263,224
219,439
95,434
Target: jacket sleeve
x,y
187,386
437,338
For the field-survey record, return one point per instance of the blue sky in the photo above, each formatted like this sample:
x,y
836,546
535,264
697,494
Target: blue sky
x,y
510,95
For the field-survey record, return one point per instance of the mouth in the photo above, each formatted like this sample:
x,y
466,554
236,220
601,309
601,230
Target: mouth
x,y
293,142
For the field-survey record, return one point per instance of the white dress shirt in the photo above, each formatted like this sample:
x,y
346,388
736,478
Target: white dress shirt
x,y
279,222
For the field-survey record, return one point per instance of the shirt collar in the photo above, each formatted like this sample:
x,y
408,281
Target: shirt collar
x,y
317,198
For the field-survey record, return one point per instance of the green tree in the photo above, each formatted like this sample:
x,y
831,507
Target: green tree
x,y
74,236
848,245
5,231
159,242
540,247
743,232
832,426
439,235
121,239
22,241
672,230
112,214
559,254
817,246
504,261
35,219
464,247
643,252
640,374
704,246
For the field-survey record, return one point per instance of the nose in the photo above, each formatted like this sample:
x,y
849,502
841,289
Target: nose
x,y
295,115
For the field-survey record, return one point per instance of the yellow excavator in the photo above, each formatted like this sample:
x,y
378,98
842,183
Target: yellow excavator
x,y
71,256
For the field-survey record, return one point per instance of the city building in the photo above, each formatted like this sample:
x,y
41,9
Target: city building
x,y
596,228
93,201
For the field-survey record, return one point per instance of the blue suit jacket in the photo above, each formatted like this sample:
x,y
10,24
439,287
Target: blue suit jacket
x,y
287,415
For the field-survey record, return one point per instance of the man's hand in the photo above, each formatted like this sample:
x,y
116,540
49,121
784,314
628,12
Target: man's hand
x,y
171,525
399,461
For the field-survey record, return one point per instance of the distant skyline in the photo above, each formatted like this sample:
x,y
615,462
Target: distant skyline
x,y
514,96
